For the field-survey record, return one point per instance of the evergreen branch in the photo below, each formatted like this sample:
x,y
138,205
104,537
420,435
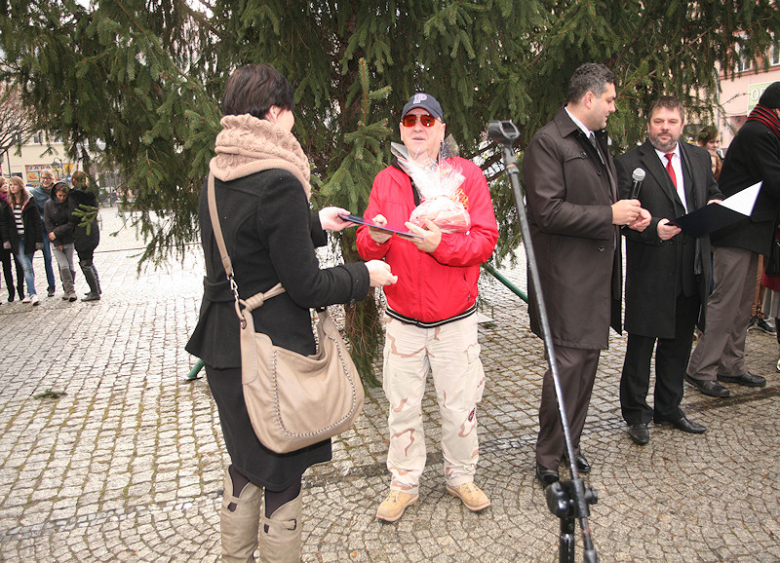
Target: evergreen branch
x,y
87,214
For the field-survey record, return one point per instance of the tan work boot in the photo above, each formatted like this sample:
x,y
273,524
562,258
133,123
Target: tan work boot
x,y
239,521
392,508
471,495
282,542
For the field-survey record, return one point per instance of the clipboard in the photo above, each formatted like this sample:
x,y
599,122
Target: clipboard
x,y
714,216
389,228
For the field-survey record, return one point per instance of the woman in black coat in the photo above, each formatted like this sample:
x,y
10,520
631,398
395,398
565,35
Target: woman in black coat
x,y
56,219
262,194
5,253
23,232
86,233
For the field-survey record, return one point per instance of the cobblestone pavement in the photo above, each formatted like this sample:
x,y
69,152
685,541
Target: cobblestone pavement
x,y
126,465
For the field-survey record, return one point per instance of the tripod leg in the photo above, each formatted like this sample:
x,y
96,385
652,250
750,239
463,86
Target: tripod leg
x,y
567,540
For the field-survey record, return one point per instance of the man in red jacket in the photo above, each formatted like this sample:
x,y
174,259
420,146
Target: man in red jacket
x,y
431,320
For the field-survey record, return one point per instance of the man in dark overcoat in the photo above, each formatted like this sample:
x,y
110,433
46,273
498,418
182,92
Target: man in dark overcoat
x,y
574,216
752,157
668,273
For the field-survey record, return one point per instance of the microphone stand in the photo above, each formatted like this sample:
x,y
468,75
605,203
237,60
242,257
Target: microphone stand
x,y
568,500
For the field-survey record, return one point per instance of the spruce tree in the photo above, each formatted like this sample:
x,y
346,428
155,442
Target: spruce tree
x,y
138,83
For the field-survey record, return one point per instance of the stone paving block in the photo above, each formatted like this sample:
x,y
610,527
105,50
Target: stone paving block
x,y
127,465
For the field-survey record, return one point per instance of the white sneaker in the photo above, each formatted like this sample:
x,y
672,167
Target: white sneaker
x,y
778,364
34,300
27,299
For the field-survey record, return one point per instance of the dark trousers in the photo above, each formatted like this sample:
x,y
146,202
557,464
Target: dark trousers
x,y
5,258
671,360
577,373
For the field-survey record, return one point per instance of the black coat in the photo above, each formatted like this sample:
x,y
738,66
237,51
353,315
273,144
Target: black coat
x,y
658,271
753,156
82,241
270,234
33,226
56,219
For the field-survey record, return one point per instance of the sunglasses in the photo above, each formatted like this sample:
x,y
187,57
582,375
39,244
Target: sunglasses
x,y
411,120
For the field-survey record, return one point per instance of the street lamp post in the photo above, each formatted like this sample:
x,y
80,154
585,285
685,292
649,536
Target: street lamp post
x,y
58,167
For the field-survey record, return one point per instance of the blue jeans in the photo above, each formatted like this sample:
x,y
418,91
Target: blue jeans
x,y
26,261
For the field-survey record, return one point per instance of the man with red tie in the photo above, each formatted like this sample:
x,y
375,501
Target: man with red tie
x,y
668,273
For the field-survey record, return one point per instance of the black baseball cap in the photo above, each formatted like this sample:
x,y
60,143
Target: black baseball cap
x,y
425,101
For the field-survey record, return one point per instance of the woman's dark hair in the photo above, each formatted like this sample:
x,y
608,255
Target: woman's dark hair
x,y
59,187
709,133
253,89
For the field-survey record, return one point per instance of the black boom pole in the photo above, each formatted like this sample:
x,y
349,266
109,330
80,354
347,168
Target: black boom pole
x,y
568,500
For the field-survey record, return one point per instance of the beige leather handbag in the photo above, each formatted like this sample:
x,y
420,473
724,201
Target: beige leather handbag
x,y
293,400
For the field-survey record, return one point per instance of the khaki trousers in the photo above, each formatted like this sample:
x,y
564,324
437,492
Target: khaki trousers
x,y
451,353
721,349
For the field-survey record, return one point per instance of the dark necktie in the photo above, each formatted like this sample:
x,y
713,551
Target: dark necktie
x,y
592,139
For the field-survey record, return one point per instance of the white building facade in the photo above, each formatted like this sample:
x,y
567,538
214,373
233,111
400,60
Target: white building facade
x,y
739,95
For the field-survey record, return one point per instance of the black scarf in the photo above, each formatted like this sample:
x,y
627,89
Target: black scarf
x,y
767,117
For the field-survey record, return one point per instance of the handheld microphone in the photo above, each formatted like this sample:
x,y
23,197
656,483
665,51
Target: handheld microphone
x,y
638,176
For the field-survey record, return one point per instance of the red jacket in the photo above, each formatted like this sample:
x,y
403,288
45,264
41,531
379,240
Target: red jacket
x,y
431,286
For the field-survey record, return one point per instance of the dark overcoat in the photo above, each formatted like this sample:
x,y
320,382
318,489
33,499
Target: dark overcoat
x,y
570,189
270,234
84,243
753,156
658,271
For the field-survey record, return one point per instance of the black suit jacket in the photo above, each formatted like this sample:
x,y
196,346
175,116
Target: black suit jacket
x,y
658,271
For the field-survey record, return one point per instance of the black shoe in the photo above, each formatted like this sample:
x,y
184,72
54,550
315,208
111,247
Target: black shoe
x,y
683,424
711,388
748,379
91,297
50,291
764,325
639,433
11,300
582,464
546,476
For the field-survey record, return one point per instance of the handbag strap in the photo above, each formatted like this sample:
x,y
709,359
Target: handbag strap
x,y
257,299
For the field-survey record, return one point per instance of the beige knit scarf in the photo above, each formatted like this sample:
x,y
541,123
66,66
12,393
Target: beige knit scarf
x,y
247,145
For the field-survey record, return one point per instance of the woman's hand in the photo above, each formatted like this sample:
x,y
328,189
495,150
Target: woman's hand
x,y
330,220
51,236
380,274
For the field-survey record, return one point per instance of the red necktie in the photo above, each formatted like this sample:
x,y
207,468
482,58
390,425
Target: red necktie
x,y
670,168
